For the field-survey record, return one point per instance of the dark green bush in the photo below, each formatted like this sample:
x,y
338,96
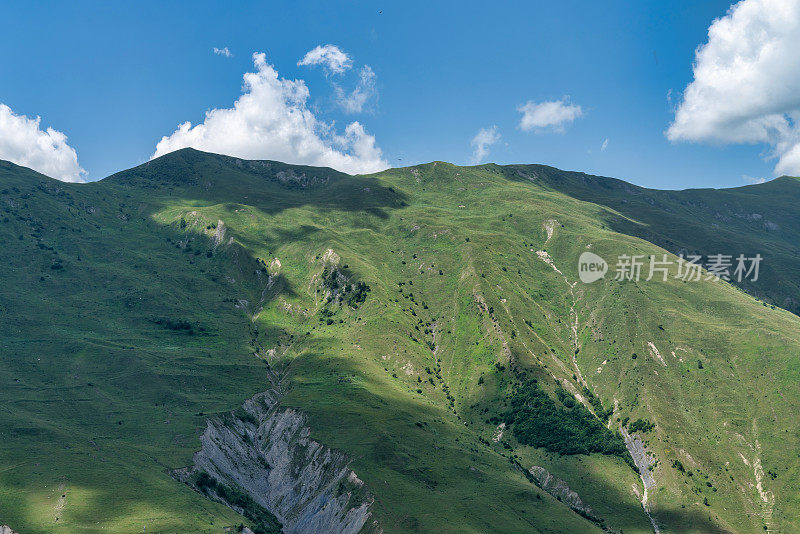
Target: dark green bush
x,y
246,416
641,425
263,521
536,419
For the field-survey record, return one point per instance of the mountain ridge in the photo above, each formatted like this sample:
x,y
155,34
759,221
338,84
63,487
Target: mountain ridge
x,y
408,323
193,153
658,216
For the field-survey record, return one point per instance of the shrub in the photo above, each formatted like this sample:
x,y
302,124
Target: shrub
x,y
263,521
178,325
537,420
358,294
597,404
245,416
204,482
641,425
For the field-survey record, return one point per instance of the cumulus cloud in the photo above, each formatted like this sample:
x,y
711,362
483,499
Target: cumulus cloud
x,y
332,59
222,52
554,114
271,120
480,144
746,86
22,141
358,98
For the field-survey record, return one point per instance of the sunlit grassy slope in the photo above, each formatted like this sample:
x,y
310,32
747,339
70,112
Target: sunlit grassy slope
x,y
754,219
132,308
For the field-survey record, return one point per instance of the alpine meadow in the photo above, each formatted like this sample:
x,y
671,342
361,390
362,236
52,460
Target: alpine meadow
x,y
206,342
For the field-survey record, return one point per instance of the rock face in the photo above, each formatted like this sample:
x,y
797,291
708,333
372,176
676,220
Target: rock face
x,y
559,489
643,462
266,452
5,529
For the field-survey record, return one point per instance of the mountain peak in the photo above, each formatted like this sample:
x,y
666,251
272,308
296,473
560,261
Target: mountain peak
x,y
190,167
13,174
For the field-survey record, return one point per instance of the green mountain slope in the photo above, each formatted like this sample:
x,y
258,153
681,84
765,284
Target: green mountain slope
x,y
428,324
754,219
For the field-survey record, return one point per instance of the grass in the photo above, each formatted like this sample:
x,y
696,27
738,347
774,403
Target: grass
x,y
169,287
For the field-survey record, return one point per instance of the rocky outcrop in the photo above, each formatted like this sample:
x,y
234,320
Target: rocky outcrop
x,y
559,489
643,462
5,529
266,452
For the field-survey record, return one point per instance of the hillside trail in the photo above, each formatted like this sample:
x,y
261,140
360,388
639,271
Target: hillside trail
x,y
635,447
549,227
573,314
767,497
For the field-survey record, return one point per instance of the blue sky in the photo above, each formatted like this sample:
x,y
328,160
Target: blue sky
x,y
117,77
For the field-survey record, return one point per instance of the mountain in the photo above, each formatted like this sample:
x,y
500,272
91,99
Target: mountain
x,y
204,342
754,219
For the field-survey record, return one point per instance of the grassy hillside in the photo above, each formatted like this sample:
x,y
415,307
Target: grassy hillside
x,y
752,219
135,307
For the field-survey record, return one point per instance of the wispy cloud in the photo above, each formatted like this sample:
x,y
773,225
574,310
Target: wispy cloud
x,y
549,115
223,52
22,141
753,179
336,62
485,138
271,120
356,100
604,146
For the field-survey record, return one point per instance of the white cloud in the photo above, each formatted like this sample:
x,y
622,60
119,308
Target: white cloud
x,y
485,138
554,114
270,120
789,162
753,179
604,146
336,61
355,101
23,142
746,86
222,52
332,59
